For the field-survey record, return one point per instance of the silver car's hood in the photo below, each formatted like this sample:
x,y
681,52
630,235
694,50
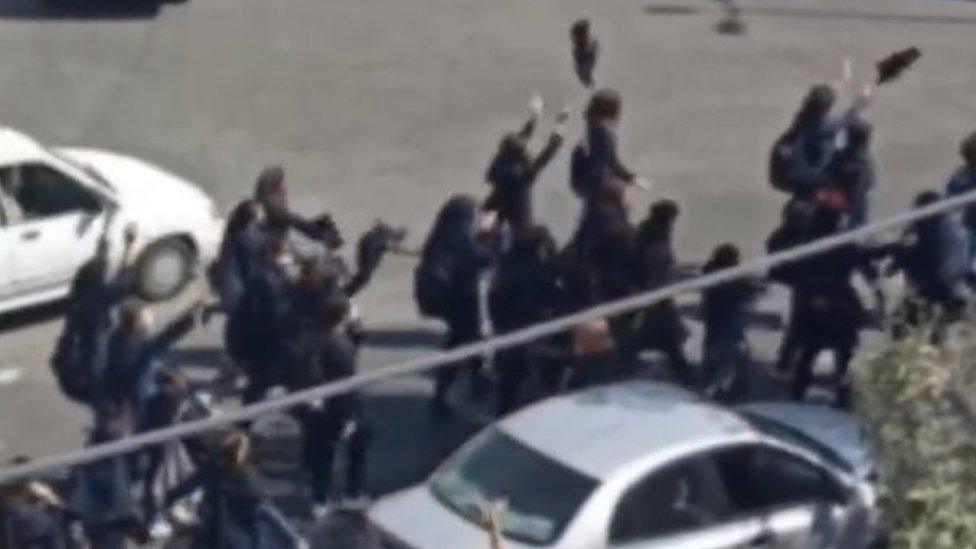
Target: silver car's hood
x,y
416,518
841,432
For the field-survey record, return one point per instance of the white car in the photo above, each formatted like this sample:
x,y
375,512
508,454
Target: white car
x,y
648,466
54,205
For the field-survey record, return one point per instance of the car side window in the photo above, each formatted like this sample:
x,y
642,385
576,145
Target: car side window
x,y
759,478
41,191
681,497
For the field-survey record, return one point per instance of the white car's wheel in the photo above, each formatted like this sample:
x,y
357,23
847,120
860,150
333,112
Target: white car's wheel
x,y
164,268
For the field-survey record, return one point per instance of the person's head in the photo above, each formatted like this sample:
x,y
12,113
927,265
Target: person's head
x,y
537,241
605,105
135,316
967,149
724,256
818,103
925,198
234,450
270,189
171,384
579,33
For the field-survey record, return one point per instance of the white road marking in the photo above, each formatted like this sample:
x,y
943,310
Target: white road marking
x,y
9,376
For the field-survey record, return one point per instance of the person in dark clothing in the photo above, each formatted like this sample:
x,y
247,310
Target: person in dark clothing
x,y
258,329
595,162
522,293
933,253
585,51
659,326
963,180
603,243
453,259
102,491
829,313
795,229
233,513
802,155
327,352
161,410
134,355
229,273
852,172
79,357
32,516
725,351
514,170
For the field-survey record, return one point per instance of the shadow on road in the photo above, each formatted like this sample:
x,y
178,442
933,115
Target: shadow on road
x,y
34,315
399,338
823,14
68,10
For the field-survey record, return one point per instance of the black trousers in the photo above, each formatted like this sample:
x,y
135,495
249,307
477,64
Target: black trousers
x,y
322,440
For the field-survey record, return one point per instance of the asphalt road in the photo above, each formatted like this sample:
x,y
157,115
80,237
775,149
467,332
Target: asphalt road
x,y
384,108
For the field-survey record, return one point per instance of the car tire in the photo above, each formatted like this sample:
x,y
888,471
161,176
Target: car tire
x,y
164,268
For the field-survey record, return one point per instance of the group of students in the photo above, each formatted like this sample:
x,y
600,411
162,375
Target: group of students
x,y
487,267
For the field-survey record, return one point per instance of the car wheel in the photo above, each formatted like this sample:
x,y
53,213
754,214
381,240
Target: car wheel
x,y
164,269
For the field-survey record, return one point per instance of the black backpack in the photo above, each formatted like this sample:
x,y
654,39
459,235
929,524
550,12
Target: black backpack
x,y
431,288
71,364
780,162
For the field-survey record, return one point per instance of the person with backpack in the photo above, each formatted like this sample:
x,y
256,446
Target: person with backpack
x,y
446,281
801,156
514,170
80,353
595,162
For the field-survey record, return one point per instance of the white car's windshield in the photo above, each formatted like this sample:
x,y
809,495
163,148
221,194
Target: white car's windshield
x,y
542,496
90,171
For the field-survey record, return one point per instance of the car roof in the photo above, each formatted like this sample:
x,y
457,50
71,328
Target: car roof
x,y
16,147
600,430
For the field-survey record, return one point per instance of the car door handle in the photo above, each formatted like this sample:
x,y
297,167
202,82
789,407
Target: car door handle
x,y
762,539
30,234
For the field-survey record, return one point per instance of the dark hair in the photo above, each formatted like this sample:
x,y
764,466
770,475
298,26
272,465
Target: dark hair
x,y
925,198
723,256
454,223
604,105
968,149
816,105
270,181
580,30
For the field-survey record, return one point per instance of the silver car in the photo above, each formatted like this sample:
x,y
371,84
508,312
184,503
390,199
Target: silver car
x,y
648,466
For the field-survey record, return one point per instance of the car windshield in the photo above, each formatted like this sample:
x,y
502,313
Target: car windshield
x,y
797,438
541,496
88,170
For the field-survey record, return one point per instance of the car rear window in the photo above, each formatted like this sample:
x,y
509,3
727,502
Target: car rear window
x,y
541,495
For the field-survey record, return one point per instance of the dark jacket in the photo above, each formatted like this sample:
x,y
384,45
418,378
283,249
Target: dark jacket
x,y
936,262
26,525
133,358
524,289
231,507
596,162
512,173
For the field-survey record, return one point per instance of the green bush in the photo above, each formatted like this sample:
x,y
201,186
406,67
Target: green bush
x,y
919,400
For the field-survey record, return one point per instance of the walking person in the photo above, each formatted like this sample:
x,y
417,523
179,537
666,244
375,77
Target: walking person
x,y
446,281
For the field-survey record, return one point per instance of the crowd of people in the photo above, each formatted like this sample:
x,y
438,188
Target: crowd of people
x,y
488,266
